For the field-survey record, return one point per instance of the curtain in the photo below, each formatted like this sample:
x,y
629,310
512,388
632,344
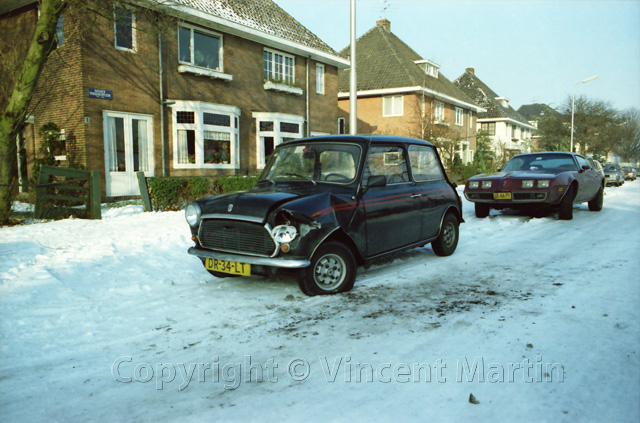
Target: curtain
x,y
143,145
111,145
183,148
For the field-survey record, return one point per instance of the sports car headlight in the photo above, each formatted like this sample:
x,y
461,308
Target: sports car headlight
x,y
486,184
192,213
474,184
543,183
527,183
284,234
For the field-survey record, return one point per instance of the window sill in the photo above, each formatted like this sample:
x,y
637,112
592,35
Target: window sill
x,y
60,158
205,166
204,72
442,123
270,85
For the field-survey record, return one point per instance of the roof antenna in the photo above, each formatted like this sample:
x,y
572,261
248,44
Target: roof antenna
x,y
385,6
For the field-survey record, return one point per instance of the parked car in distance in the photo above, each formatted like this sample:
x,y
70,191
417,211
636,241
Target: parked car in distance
x,y
629,173
324,205
613,174
538,181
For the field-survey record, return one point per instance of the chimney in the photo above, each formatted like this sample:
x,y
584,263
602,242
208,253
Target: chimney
x,y
385,23
472,71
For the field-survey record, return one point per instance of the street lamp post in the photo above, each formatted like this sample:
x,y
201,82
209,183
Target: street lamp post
x,y
573,103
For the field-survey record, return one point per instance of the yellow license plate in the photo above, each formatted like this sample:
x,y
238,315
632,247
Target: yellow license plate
x,y
224,266
502,196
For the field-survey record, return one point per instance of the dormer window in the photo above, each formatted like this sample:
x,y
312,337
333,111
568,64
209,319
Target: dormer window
x,y
429,67
504,102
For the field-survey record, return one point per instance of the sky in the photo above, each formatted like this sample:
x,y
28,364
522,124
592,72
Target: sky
x,y
530,51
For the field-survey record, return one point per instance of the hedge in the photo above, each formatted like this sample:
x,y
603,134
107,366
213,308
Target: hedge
x,y
174,193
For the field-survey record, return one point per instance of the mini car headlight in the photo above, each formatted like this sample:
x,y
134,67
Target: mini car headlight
x,y
486,184
284,234
527,183
192,213
474,184
543,183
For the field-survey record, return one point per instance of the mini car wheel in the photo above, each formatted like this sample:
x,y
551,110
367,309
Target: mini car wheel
x,y
332,270
447,241
482,210
566,204
596,203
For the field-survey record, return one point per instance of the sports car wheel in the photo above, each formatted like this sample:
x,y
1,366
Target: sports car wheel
x,y
447,241
596,203
332,270
482,210
566,204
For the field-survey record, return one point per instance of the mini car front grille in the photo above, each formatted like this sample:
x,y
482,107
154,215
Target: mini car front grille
x,y
234,236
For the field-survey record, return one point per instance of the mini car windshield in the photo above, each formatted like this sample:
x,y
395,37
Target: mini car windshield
x,y
541,162
313,162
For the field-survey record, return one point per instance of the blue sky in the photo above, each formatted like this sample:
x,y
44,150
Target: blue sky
x,y
530,51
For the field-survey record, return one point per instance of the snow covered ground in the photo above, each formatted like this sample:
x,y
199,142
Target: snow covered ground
x,y
111,320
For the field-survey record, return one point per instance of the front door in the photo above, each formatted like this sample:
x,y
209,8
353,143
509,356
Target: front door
x,y
128,148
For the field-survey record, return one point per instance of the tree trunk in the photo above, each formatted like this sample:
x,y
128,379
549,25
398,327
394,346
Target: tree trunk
x,y
14,115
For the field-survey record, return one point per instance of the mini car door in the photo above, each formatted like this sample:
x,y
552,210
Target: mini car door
x,y
392,211
431,188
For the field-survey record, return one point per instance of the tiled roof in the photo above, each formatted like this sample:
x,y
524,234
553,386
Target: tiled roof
x,y
536,111
384,61
486,97
261,15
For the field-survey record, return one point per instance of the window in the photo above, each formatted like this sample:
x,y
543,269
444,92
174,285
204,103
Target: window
x,y
125,29
438,113
60,31
459,116
388,161
273,129
278,67
199,48
206,135
392,105
425,165
341,126
470,119
319,78
489,127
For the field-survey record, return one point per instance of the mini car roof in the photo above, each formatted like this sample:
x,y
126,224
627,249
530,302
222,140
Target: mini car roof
x,y
365,139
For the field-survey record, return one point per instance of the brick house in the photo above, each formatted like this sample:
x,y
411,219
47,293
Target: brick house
x,y
210,88
510,132
401,93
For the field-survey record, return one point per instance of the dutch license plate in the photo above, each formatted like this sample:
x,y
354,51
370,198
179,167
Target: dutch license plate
x,y
224,266
502,196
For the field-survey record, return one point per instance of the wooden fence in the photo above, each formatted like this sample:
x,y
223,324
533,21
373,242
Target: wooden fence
x,y
67,192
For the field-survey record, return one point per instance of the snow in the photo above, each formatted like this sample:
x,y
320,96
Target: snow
x,y
112,320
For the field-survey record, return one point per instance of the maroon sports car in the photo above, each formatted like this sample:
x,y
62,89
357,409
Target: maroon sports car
x,y
538,181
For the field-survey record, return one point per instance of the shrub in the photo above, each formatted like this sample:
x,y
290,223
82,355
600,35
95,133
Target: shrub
x,y
174,193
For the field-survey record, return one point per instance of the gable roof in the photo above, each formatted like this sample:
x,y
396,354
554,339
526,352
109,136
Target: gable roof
x,y
487,98
385,62
536,111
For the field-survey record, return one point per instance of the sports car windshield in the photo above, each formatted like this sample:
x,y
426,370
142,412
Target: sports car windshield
x,y
313,162
541,162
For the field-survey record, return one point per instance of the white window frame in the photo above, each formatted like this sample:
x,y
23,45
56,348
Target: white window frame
x,y
319,78
199,108
190,66
278,136
395,105
471,119
459,116
438,112
271,76
134,45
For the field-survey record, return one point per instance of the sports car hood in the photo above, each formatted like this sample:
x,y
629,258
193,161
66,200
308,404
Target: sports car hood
x,y
519,174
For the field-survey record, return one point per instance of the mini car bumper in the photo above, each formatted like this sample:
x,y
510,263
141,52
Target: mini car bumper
x,y
262,261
